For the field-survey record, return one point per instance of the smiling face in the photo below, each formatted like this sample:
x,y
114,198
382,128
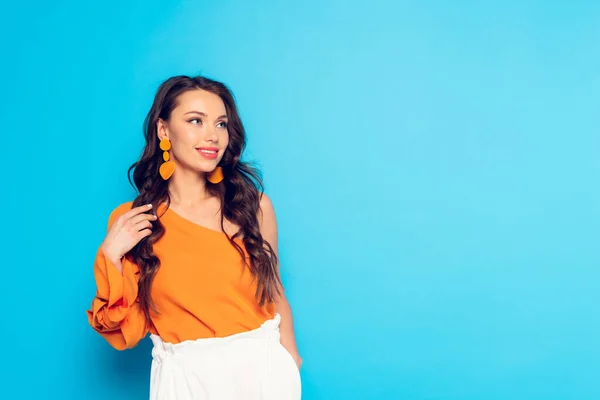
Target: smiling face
x,y
197,129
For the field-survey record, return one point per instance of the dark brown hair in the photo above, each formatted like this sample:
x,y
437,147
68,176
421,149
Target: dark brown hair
x,y
239,192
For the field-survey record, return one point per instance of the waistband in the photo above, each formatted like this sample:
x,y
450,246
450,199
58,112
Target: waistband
x,y
268,330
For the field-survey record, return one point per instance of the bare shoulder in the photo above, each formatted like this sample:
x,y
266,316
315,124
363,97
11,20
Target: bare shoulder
x,y
267,210
267,221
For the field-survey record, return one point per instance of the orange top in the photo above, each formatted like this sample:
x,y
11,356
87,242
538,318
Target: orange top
x,y
202,288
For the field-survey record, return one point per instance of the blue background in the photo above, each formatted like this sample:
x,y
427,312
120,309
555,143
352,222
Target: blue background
x,y
434,167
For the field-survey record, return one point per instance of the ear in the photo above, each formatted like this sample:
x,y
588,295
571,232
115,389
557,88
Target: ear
x,y
162,130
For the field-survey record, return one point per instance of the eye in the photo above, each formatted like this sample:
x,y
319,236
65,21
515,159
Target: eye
x,y
199,121
223,124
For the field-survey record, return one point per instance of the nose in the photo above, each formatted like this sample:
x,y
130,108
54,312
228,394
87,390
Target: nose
x,y
211,135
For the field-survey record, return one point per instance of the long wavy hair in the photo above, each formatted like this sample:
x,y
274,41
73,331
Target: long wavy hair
x,y
239,192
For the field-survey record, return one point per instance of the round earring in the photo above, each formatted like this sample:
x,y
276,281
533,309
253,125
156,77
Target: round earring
x,y
215,176
168,167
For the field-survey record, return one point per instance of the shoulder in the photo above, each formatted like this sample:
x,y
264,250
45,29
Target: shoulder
x,y
267,210
267,221
118,211
266,217
265,202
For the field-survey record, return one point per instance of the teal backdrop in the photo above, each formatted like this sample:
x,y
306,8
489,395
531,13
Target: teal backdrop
x,y
433,165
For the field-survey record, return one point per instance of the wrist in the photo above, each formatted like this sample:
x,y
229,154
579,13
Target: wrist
x,y
110,256
115,260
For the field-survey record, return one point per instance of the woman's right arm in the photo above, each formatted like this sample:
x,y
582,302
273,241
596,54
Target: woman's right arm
x,y
115,313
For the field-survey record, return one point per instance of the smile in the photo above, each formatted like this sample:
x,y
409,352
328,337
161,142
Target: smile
x,y
210,153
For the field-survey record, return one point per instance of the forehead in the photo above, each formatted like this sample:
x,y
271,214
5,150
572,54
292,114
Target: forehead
x,y
200,100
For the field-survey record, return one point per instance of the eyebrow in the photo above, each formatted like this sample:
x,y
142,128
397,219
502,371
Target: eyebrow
x,y
203,114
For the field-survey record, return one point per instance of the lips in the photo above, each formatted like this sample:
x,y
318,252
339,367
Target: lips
x,y
208,152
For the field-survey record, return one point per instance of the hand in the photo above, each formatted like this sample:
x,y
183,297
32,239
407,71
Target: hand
x,y
127,230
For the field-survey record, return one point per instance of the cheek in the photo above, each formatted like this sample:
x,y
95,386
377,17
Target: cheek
x,y
186,139
225,139
189,136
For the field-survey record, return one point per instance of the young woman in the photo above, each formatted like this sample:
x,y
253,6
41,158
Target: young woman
x,y
192,261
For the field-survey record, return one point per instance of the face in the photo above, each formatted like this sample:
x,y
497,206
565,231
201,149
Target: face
x,y
197,129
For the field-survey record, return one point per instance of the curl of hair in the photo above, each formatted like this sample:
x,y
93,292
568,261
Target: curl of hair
x,y
239,192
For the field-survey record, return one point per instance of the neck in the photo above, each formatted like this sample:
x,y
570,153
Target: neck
x,y
187,188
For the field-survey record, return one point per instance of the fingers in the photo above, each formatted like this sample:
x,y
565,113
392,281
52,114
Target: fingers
x,y
143,233
142,217
142,221
136,219
134,211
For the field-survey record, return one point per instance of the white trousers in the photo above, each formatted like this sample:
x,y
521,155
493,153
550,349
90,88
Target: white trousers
x,y
249,365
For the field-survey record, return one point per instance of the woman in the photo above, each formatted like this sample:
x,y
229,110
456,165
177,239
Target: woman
x,y
193,259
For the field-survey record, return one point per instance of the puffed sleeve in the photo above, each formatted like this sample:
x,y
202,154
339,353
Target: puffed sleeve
x,y
115,313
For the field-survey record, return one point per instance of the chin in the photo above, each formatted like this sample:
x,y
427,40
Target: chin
x,y
207,164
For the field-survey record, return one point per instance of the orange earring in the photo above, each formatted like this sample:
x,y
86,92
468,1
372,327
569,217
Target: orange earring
x,y
215,176
168,167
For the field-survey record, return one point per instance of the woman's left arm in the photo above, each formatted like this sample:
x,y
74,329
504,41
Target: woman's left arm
x,y
268,229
